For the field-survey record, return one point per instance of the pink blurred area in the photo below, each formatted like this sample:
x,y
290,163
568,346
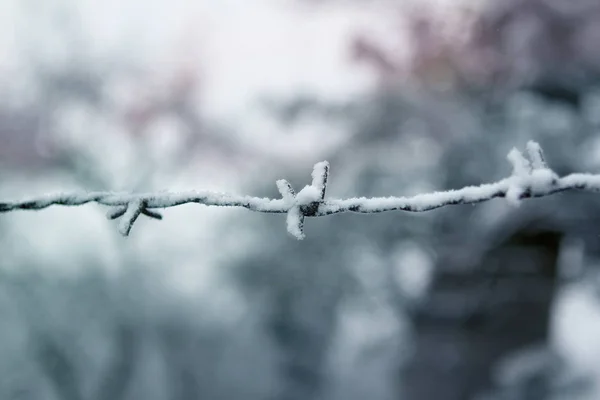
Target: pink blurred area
x,y
204,67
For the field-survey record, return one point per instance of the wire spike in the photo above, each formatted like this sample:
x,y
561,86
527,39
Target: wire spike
x,y
320,175
134,210
536,155
116,212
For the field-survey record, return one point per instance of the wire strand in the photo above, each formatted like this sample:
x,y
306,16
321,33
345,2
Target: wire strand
x,y
530,178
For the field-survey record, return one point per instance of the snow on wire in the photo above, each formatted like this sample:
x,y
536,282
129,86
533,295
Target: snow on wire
x,y
531,177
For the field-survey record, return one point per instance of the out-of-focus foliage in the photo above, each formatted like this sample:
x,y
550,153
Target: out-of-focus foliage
x,y
93,336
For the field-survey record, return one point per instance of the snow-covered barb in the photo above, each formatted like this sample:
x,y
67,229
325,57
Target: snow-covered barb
x,y
320,175
295,223
517,182
536,155
132,212
530,177
286,190
295,218
307,202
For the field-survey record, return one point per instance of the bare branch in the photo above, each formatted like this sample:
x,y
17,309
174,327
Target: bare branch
x,y
530,178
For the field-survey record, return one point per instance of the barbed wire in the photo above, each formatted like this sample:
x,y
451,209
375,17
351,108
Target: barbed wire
x,y
530,178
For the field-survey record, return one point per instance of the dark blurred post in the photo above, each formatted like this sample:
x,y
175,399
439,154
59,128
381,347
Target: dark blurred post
x,y
477,314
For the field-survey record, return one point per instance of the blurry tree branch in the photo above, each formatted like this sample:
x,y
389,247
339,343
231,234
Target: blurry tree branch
x,y
119,373
58,367
62,372
530,178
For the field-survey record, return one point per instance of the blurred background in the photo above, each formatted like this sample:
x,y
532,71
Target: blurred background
x,y
401,97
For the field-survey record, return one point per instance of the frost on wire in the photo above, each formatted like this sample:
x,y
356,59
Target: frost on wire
x,y
530,177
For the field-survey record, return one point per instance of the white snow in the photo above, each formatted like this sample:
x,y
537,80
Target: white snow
x,y
518,181
319,176
295,222
287,192
309,194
